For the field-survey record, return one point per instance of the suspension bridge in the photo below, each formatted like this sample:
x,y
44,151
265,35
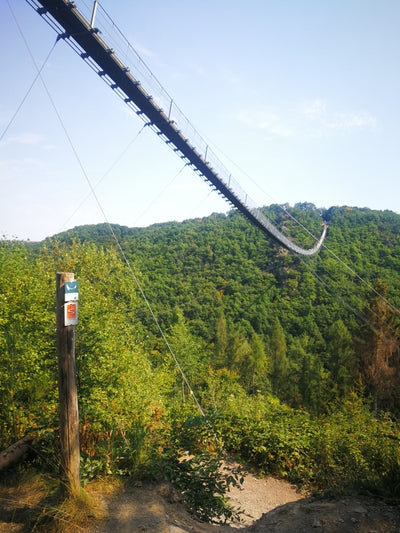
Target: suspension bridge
x,y
142,92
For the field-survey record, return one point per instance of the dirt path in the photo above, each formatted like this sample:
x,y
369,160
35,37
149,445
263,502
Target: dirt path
x,y
260,495
158,509
269,505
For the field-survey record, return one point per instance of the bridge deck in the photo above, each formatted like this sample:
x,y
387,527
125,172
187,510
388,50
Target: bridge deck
x,y
122,80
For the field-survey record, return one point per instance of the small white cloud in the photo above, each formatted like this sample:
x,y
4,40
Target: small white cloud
x,y
314,110
272,123
314,119
351,121
26,139
139,50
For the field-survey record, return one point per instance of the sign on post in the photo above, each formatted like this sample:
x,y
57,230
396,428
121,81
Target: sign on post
x,y
71,314
71,297
67,315
71,291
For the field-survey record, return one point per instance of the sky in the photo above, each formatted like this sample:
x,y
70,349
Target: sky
x,y
299,99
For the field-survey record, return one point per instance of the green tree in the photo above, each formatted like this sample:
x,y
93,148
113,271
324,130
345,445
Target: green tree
x,y
340,359
239,350
278,356
255,366
221,341
308,372
28,375
191,353
120,392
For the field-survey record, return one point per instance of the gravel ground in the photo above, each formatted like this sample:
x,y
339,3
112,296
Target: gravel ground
x,y
269,505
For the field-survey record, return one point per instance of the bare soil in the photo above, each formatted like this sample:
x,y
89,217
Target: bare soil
x,y
269,505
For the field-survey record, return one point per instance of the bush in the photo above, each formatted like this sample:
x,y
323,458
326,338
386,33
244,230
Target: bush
x,y
204,482
348,449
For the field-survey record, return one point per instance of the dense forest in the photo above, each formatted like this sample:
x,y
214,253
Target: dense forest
x,y
295,361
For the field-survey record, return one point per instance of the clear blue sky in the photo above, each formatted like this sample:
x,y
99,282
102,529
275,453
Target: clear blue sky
x,y
301,97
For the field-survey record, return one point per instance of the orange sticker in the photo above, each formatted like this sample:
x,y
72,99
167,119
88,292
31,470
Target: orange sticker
x,y
71,311
71,314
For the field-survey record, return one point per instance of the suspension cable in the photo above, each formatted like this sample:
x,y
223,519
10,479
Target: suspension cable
x,y
130,268
110,168
37,76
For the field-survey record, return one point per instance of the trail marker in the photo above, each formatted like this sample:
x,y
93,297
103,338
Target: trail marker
x,y
71,314
66,319
71,291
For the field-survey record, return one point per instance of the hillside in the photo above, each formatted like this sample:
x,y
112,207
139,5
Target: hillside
x,y
295,362
222,271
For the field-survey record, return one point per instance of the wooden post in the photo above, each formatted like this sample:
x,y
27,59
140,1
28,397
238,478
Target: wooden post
x,y
67,390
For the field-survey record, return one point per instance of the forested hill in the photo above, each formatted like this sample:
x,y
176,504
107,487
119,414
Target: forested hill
x,y
294,360
302,329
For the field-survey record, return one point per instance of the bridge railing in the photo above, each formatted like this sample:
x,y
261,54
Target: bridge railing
x,y
127,54
112,56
